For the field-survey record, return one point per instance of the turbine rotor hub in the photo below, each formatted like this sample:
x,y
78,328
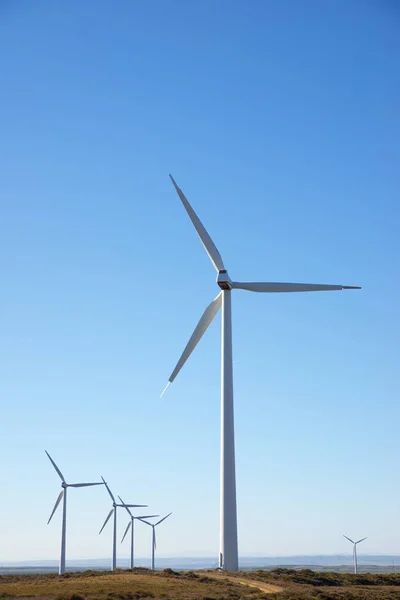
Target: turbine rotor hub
x,y
223,280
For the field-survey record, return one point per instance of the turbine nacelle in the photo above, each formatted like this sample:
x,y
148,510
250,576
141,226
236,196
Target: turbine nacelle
x,y
223,280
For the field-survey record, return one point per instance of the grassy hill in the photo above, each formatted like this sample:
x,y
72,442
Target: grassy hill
x,y
142,584
307,584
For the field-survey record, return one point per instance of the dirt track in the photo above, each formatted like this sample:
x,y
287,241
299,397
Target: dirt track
x,y
267,588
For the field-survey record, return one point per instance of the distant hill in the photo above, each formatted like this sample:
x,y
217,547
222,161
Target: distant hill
x,y
340,563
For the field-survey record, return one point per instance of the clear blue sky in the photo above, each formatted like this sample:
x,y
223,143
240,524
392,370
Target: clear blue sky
x,y
280,121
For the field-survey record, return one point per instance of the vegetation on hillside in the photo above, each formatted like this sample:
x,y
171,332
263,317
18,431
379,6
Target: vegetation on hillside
x,y
143,584
306,584
138,584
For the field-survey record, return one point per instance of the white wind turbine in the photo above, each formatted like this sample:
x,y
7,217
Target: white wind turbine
x,y
63,496
131,526
228,515
354,551
114,511
153,539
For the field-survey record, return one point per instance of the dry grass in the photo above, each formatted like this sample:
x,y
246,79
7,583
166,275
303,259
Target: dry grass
x,y
305,584
123,585
142,584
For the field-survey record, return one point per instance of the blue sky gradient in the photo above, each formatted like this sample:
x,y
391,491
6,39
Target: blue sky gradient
x,y
280,121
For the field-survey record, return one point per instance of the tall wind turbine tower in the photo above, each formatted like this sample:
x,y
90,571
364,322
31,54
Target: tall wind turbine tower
x,y
131,526
63,496
153,538
113,511
228,515
354,551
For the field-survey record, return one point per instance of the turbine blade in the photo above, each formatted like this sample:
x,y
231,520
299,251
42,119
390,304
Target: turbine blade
x,y
56,468
198,333
272,287
361,540
134,505
61,494
84,484
165,389
125,506
163,519
126,530
106,521
347,538
108,490
207,242
146,517
147,523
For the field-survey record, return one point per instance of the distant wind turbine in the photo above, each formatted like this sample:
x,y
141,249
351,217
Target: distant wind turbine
x,y
228,514
354,551
114,511
131,526
63,496
153,539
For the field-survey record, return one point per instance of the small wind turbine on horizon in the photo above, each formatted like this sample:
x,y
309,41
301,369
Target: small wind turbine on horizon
x,y
114,511
228,512
153,538
354,551
131,526
63,496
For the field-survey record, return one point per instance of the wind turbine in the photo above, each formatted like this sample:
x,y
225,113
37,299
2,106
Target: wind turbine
x,y
63,496
228,516
114,511
153,540
354,551
131,526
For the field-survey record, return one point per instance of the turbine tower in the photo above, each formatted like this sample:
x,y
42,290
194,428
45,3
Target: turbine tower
x,y
228,515
153,539
63,496
354,551
114,511
131,526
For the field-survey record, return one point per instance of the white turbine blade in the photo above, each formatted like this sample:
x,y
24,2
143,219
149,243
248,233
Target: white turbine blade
x,y
146,517
347,538
207,242
56,468
126,530
198,333
84,484
163,519
106,521
271,287
108,490
56,505
165,389
125,506
361,540
134,505
147,523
